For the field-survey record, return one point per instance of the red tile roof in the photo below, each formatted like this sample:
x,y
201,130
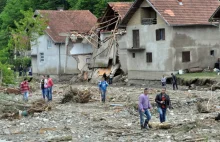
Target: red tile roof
x,y
66,21
192,12
120,7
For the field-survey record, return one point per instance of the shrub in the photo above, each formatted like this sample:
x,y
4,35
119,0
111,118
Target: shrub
x,y
7,74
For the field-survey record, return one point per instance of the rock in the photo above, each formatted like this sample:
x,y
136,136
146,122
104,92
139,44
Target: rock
x,y
6,131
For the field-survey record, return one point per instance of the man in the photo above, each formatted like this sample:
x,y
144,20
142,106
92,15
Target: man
x,y
111,78
103,88
105,76
30,71
174,81
43,86
143,108
163,102
49,88
163,81
24,87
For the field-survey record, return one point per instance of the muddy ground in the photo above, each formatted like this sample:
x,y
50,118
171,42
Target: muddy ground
x,y
99,122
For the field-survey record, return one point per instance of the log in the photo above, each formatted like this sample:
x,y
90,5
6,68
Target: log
x,y
158,125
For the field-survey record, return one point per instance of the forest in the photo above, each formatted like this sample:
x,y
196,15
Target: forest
x,y
16,22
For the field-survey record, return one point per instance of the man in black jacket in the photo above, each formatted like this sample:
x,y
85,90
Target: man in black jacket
x,y
163,102
174,81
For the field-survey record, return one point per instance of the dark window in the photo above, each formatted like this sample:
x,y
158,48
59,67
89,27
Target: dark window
x,y
149,57
212,52
133,55
160,34
41,57
136,39
186,56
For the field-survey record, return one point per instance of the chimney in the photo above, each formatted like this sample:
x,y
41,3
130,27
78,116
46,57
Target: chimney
x,y
180,2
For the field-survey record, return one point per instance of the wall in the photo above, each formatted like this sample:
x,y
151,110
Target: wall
x,y
199,40
161,52
51,63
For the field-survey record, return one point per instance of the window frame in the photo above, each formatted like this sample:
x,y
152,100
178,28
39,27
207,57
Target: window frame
x,y
186,58
160,34
49,44
149,57
42,59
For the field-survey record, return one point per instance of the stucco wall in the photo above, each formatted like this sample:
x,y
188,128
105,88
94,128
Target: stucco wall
x,y
199,40
50,65
166,54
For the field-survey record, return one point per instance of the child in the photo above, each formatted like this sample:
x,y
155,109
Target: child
x,y
102,88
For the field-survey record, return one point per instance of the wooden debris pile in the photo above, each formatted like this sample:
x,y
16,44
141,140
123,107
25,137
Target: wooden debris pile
x,y
12,91
37,106
77,95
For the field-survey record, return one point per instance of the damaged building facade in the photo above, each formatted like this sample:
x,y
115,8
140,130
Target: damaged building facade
x,y
105,56
166,36
62,50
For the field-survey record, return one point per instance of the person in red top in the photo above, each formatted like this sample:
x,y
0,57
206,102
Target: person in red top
x,y
49,88
163,102
24,87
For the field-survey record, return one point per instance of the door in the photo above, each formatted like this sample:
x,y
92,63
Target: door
x,y
136,39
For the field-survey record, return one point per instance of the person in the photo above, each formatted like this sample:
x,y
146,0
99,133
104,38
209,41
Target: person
x,y
103,88
30,71
105,76
111,78
49,88
24,87
144,107
174,81
163,103
43,86
163,81
24,71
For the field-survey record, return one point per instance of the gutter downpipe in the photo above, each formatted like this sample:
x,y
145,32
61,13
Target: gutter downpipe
x,y
59,68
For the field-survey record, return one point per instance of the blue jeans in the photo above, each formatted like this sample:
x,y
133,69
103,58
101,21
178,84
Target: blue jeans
x,y
110,80
147,114
162,112
44,93
25,96
103,95
49,93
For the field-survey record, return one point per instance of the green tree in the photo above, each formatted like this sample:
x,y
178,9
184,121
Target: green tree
x,y
27,31
2,5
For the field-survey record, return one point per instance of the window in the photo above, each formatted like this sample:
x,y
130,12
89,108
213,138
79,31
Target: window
x,y
186,56
148,16
149,57
49,43
133,55
136,39
212,52
160,34
41,57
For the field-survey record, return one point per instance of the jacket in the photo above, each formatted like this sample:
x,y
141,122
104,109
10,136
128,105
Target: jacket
x,y
103,86
49,82
158,99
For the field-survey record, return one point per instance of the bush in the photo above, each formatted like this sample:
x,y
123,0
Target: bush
x,y
7,74
24,61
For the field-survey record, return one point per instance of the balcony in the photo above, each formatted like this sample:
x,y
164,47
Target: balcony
x,y
148,21
34,51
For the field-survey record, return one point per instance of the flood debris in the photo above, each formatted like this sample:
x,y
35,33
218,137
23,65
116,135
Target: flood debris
x,y
76,95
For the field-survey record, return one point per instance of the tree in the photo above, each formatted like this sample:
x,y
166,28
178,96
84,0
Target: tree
x,y
2,5
27,31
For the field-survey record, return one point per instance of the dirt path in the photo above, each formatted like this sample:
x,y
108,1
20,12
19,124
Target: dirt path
x,y
95,121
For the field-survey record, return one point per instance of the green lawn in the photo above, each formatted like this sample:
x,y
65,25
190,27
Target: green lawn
x,y
202,75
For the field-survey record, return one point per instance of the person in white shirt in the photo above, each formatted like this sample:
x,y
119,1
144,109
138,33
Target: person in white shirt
x,y
163,81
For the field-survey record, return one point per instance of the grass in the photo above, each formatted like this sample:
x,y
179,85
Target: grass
x,y
202,75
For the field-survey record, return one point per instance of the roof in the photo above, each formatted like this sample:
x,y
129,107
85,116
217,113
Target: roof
x,y
192,12
215,16
66,21
120,7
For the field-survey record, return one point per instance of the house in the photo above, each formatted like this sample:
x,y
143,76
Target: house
x,y
164,36
60,51
105,54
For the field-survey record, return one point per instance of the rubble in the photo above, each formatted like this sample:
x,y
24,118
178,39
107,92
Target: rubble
x,y
76,95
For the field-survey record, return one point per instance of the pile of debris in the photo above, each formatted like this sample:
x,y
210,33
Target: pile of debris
x,y
77,95
36,107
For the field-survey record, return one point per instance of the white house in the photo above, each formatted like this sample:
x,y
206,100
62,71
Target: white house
x,y
55,52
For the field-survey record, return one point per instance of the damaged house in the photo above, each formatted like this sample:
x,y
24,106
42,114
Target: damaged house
x,y
105,55
166,36
62,50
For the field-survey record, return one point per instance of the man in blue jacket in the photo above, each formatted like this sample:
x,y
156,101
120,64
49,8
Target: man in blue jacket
x,y
103,88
